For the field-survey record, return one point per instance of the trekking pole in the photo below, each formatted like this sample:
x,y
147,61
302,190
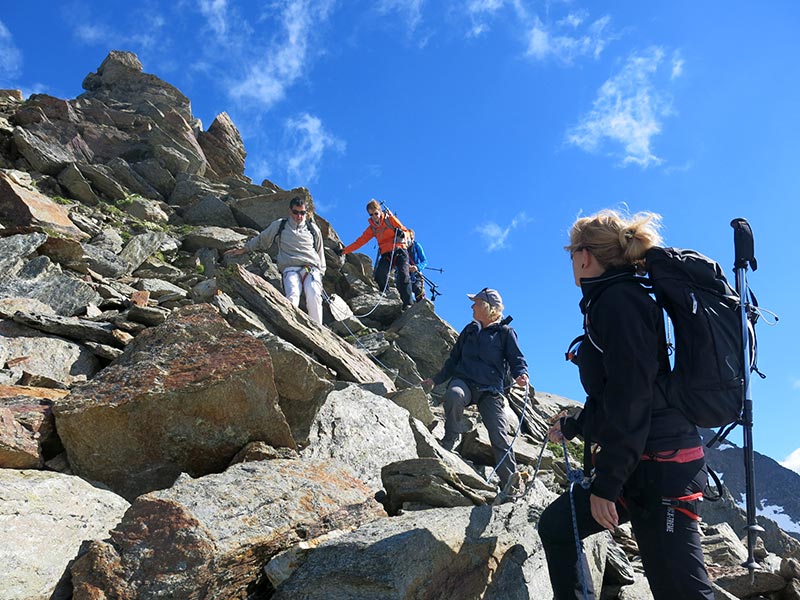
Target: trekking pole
x,y
744,256
576,476
434,269
434,288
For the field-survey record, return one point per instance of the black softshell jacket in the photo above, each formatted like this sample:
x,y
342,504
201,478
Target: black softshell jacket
x,y
622,361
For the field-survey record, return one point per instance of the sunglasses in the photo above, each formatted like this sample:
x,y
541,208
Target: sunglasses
x,y
299,212
376,213
578,249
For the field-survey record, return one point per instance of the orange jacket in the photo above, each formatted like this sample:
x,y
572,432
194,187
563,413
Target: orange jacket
x,y
383,232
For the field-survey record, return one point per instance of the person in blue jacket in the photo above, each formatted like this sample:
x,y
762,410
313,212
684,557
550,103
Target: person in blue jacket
x,y
417,263
476,368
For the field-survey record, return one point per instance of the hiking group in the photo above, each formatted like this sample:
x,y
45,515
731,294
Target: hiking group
x,y
643,457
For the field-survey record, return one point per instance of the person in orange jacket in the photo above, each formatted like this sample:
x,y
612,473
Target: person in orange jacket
x,y
390,234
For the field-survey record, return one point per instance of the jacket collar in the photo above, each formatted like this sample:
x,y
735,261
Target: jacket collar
x,y
592,287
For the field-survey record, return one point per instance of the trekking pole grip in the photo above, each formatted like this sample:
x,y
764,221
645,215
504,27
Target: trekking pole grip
x,y
743,245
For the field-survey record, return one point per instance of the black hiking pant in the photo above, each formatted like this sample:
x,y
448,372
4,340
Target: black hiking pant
x,y
402,278
669,540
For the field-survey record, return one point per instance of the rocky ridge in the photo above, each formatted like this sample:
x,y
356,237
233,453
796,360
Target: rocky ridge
x,y
182,431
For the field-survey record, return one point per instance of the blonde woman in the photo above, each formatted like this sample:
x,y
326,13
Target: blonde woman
x,y
645,458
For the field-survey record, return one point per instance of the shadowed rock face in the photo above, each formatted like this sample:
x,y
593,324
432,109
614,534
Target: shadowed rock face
x,y
183,397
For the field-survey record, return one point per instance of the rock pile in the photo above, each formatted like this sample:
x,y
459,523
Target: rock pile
x,y
170,426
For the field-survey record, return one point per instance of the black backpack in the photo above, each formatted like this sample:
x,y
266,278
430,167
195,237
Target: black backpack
x,y
707,377
706,381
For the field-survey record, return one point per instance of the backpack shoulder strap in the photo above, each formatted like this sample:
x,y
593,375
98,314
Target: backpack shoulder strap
x,y
314,237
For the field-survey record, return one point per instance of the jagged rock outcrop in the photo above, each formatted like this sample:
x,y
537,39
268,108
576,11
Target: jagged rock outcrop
x,y
183,397
44,519
135,352
296,327
210,537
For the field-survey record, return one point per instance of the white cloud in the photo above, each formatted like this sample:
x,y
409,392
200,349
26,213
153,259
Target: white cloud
x,y
286,59
145,34
677,66
796,384
480,11
216,13
10,56
628,110
496,236
307,143
564,42
792,461
410,10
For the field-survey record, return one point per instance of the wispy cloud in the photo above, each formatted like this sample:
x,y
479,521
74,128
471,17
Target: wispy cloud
x,y
284,61
495,236
308,141
216,14
792,461
145,32
562,37
569,38
409,10
629,110
10,56
480,13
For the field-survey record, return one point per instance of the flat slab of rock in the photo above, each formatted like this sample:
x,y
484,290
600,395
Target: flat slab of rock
x,y
294,325
70,327
185,396
210,537
44,518
45,355
27,207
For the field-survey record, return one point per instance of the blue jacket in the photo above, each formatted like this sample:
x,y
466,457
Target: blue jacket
x,y
417,256
480,355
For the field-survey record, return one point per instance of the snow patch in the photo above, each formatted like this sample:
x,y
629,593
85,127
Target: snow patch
x,y
776,514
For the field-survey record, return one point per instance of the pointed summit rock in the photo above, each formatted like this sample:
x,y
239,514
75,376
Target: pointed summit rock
x,y
224,148
121,78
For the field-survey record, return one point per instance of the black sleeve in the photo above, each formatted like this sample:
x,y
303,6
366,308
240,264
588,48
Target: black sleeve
x,y
624,320
513,355
450,364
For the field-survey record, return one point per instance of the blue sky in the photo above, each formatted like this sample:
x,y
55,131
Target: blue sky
x,y
488,126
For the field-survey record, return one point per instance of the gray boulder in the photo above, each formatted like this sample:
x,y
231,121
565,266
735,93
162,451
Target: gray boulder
x,y
425,337
46,355
210,537
184,397
362,430
258,212
303,384
25,206
465,552
45,518
14,249
140,247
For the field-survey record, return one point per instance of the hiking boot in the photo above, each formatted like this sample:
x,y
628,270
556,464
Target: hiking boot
x,y
512,490
448,442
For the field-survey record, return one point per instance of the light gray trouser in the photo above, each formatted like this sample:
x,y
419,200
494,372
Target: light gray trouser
x,y
490,405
